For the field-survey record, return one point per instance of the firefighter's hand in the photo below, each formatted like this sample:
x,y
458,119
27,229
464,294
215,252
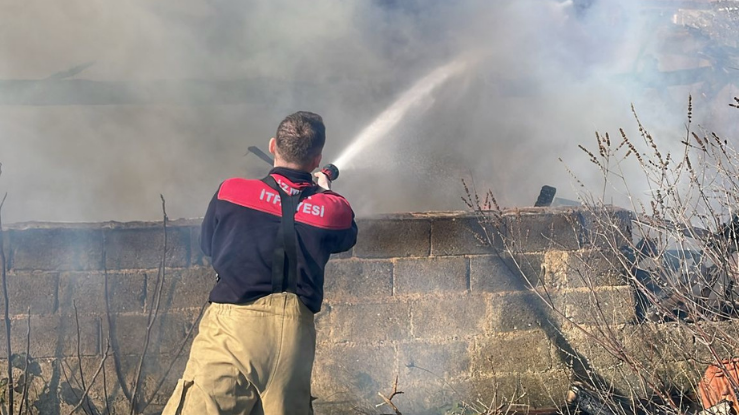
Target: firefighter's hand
x,y
322,180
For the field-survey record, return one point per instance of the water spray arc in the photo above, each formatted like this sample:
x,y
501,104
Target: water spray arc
x,y
389,119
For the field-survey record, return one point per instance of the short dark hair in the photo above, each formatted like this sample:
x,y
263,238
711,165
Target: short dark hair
x,y
300,137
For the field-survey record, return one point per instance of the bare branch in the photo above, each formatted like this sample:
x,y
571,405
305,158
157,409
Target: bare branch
x,y
176,356
8,349
153,313
388,400
109,317
26,373
92,382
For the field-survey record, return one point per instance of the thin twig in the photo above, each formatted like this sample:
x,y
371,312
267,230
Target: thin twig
x,y
79,349
180,348
389,399
153,312
69,381
79,344
109,318
24,399
6,308
106,409
92,381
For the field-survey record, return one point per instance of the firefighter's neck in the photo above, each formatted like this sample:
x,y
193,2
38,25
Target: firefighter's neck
x,y
294,166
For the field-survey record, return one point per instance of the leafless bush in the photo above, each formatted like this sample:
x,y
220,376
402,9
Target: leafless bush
x,y
677,250
78,383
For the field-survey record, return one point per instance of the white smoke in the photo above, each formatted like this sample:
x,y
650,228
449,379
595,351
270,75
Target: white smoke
x,y
202,81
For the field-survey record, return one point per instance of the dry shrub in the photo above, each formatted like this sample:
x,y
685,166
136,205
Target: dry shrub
x,y
675,248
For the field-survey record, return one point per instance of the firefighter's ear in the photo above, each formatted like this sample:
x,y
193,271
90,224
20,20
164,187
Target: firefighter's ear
x,y
272,146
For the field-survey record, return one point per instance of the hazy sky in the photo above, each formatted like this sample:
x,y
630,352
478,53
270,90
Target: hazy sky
x,y
183,87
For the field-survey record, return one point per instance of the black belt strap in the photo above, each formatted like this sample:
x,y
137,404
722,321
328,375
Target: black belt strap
x,y
285,257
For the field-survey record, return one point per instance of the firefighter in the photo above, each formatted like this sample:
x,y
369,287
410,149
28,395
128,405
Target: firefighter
x,y
269,241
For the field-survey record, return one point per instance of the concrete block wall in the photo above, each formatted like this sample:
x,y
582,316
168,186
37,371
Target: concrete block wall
x,y
419,298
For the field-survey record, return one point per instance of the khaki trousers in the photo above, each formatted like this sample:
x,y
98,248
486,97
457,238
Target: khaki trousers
x,y
249,359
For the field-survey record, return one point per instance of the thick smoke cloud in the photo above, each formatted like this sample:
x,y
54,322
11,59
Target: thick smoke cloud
x,y
195,83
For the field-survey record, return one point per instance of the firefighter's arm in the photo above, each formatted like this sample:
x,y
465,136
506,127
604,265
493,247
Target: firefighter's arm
x,y
346,239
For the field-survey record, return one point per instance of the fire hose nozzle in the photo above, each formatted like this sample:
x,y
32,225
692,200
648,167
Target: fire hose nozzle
x,y
331,171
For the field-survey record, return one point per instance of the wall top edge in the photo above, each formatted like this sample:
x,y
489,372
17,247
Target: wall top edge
x,y
195,222
176,223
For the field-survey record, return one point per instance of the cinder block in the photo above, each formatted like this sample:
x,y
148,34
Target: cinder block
x,y
154,366
532,390
56,249
197,257
490,273
589,353
173,328
179,363
518,311
370,323
167,333
423,362
658,348
433,396
530,265
126,291
453,317
710,334
54,336
70,389
186,319
526,350
54,385
462,236
683,373
606,305
353,373
358,278
141,248
128,333
343,255
391,238
183,288
556,269
672,342
583,268
437,274
541,230
37,290
521,389
40,371
606,228
83,289
328,404
322,321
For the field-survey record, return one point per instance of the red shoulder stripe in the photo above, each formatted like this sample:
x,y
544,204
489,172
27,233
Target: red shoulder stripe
x,y
323,210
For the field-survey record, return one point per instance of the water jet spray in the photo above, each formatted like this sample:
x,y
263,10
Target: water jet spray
x,y
389,119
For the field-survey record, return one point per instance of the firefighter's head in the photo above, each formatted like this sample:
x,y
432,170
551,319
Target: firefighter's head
x,y
299,141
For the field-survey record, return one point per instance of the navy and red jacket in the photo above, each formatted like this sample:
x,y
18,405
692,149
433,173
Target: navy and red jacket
x,y
240,229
